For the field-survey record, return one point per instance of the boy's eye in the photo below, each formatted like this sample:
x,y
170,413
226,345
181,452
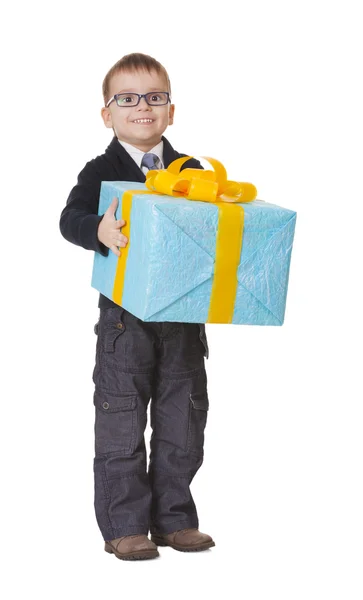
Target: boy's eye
x,y
123,99
157,98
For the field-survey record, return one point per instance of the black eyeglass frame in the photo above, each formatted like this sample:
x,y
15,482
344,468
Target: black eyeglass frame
x,y
114,98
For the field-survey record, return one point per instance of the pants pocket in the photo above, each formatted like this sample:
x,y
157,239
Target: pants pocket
x,y
198,411
113,328
116,422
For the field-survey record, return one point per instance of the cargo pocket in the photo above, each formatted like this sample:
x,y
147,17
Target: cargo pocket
x,y
113,330
112,346
203,339
116,422
198,411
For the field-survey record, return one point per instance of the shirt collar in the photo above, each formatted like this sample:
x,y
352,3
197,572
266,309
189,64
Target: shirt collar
x,y
138,155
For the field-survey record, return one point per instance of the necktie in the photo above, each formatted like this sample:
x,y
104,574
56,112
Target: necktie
x,y
150,161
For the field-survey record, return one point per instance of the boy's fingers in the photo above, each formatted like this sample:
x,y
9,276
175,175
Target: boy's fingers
x,y
119,237
112,208
115,250
120,223
120,241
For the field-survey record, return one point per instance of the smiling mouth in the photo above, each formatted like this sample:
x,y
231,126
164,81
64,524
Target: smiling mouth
x,y
143,121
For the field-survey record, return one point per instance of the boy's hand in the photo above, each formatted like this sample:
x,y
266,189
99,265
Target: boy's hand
x,y
109,230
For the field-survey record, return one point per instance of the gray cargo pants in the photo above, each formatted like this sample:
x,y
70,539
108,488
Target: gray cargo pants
x,y
137,361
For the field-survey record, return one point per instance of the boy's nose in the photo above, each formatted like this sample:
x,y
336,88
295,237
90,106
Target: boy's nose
x,y
143,105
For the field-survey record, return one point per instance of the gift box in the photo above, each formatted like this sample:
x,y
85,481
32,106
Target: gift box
x,y
196,261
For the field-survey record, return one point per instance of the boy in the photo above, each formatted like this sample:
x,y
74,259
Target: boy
x,y
137,361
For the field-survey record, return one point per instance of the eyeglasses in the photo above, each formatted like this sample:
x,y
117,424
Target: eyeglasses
x,y
131,99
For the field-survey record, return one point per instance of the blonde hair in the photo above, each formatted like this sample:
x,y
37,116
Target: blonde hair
x,y
133,62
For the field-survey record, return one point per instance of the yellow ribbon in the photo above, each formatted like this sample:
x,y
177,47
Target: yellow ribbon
x,y
205,186
118,284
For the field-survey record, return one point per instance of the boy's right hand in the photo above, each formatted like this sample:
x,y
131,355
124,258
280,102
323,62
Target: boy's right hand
x,y
109,229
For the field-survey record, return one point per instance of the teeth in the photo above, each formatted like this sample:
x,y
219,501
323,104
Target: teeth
x,y
143,121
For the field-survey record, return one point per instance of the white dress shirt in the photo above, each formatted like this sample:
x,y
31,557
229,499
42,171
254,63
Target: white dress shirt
x,y
138,155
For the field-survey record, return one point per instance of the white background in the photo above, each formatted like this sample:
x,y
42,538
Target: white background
x,y
272,89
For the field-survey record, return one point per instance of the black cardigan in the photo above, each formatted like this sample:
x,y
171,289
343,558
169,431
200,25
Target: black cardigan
x,y
79,219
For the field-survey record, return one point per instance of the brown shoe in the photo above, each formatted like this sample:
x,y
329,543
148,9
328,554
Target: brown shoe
x,y
132,547
185,540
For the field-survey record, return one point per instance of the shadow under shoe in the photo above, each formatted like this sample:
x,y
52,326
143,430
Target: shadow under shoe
x,y
132,547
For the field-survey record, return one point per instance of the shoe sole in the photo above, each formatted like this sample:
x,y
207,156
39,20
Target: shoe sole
x,y
137,555
162,542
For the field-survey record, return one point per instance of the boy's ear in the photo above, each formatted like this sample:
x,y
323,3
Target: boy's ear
x,y
106,116
171,113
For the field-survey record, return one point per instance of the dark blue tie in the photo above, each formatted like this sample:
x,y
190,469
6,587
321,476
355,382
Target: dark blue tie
x,y
150,161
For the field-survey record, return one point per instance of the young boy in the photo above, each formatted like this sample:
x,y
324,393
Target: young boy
x,y
137,361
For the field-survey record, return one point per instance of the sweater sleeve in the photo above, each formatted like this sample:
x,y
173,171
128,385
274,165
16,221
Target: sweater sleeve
x,y
79,220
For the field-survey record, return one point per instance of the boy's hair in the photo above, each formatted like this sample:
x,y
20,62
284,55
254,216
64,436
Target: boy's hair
x,y
134,62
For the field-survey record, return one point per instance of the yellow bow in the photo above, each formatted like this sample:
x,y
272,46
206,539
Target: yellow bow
x,y
197,184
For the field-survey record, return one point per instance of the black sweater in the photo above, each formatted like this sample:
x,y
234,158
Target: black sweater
x,y
79,219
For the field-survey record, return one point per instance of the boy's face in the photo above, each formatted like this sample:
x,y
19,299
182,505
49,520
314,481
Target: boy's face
x,y
125,121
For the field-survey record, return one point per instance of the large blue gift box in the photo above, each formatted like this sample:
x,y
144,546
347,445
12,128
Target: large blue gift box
x,y
171,254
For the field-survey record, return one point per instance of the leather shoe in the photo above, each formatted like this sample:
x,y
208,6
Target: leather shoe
x,y
185,540
132,547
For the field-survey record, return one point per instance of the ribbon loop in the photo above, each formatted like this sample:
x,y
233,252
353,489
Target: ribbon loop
x,y
198,184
